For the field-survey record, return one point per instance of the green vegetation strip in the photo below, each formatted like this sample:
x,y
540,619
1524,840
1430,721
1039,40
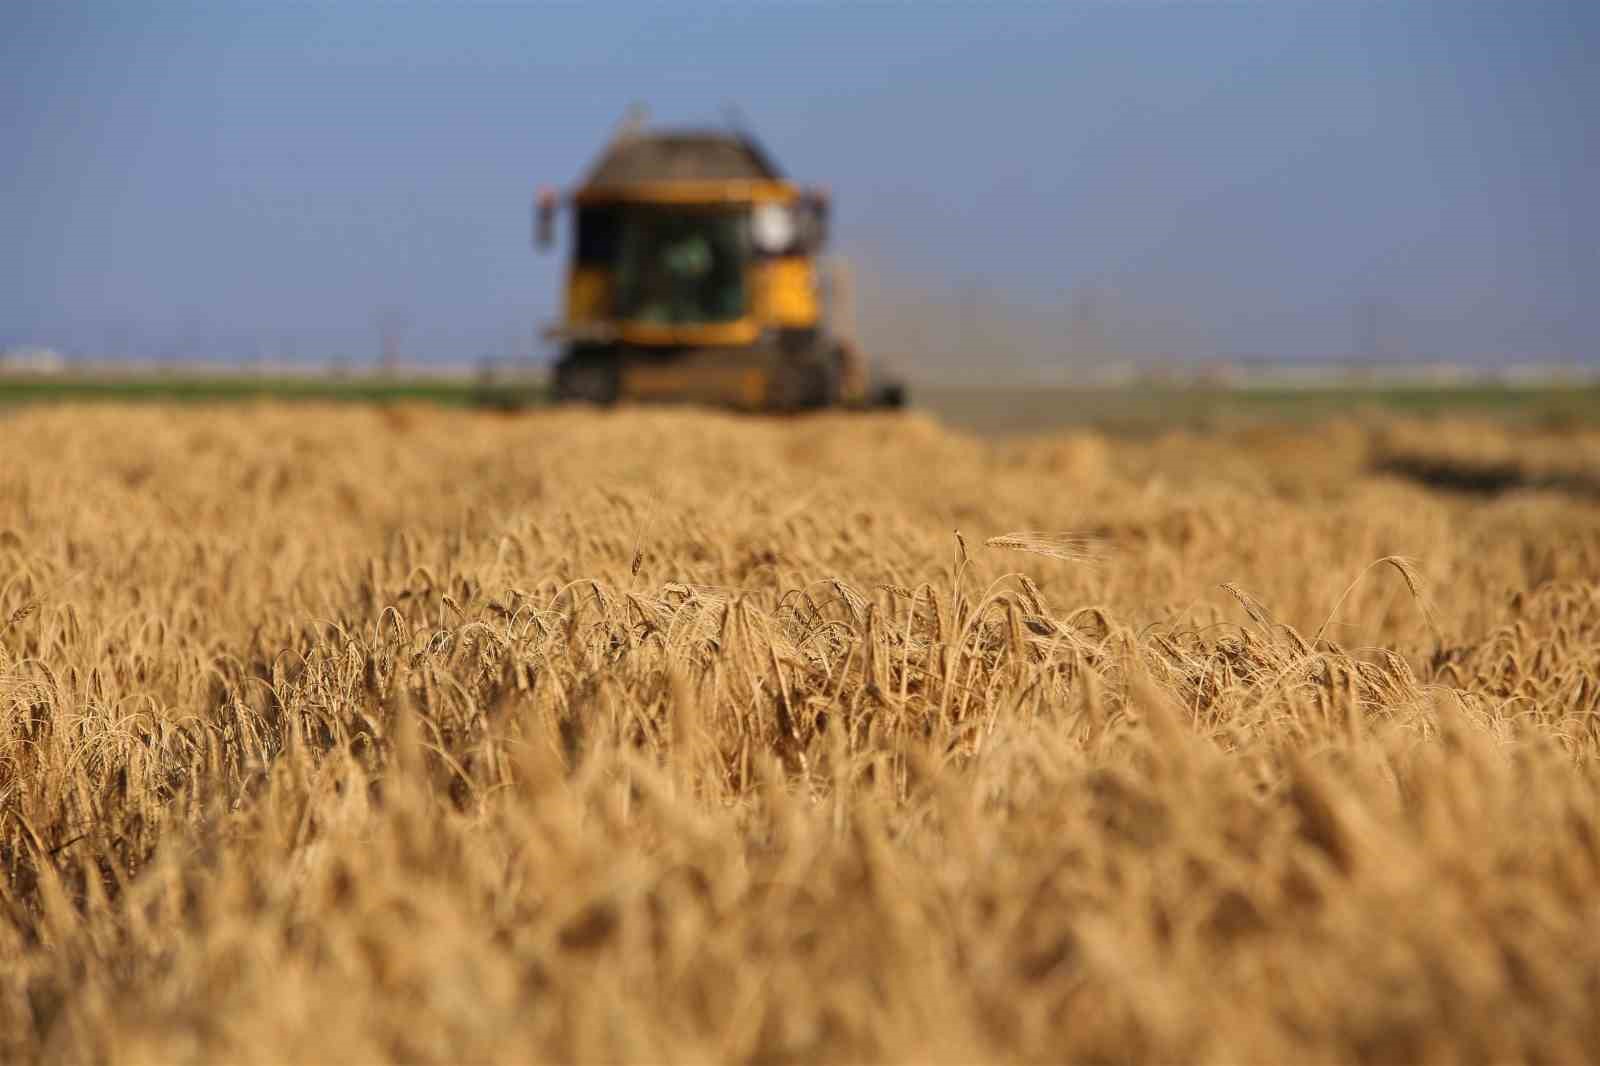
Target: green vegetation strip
x,y
446,392
1127,408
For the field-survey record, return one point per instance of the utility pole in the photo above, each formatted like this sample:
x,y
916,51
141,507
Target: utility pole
x,y
392,323
969,321
1088,334
1367,329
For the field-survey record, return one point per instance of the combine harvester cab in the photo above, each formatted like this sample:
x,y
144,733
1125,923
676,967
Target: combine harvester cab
x,y
695,276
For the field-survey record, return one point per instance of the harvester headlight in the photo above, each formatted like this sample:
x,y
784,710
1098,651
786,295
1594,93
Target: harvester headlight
x,y
772,228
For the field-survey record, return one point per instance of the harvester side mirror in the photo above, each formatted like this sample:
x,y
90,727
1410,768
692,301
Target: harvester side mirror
x,y
544,219
813,219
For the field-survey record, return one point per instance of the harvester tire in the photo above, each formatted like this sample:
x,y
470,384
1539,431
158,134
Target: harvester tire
x,y
890,395
591,379
803,385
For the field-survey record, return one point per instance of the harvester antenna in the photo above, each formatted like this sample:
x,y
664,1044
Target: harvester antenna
x,y
634,120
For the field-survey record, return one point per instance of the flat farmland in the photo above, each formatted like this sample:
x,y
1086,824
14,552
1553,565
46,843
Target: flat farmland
x,y
1138,409
339,733
1151,409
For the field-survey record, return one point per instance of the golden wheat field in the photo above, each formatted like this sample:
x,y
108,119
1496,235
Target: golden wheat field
x,y
339,735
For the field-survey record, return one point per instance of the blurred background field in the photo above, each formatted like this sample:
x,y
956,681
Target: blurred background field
x,y
1136,407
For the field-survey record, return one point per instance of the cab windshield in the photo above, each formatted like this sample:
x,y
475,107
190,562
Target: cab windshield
x,y
677,266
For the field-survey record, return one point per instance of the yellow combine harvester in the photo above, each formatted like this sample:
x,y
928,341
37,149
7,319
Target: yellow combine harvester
x,y
694,277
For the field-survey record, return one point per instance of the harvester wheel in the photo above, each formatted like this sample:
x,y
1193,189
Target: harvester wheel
x,y
801,385
891,395
591,379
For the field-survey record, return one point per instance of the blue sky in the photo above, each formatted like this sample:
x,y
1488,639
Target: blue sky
x,y
1262,178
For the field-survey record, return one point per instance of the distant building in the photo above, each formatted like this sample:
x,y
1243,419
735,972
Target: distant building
x,y
32,360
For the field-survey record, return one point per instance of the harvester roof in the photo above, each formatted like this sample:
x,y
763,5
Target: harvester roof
x,y
680,155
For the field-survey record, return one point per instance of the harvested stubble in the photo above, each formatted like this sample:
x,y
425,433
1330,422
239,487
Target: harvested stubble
x,y
350,736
